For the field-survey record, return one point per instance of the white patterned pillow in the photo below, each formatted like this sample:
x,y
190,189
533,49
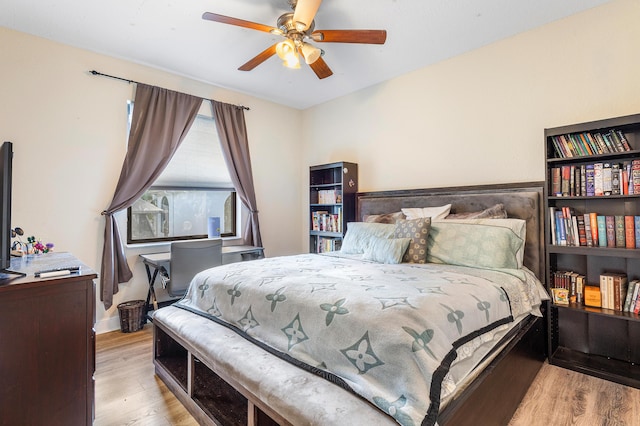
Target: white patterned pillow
x,y
359,234
417,230
386,250
474,245
434,213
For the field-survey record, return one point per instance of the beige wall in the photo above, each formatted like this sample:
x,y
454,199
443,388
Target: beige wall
x,y
69,134
474,119
479,118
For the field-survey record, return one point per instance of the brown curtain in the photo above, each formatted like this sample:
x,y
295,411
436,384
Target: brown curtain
x,y
161,119
232,132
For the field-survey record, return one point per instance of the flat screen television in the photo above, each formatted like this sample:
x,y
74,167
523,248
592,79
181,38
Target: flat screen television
x,y
6,159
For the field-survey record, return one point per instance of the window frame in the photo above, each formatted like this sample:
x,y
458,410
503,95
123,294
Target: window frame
x,y
234,207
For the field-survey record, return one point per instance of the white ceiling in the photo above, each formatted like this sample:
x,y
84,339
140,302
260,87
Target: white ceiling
x,y
171,35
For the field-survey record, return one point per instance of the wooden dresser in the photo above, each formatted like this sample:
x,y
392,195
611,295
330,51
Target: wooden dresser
x,y
47,343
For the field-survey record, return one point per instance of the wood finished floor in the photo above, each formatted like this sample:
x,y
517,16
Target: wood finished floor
x,y
129,393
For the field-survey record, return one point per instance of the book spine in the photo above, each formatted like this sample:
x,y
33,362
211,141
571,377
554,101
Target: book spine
x,y
606,178
629,232
615,179
598,183
620,233
627,300
610,224
590,180
635,176
582,234
603,291
587,230
593,220
556,181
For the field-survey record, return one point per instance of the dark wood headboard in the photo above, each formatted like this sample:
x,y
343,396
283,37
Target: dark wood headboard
x,y
521,200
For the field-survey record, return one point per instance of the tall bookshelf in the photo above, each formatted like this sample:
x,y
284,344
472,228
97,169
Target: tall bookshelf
x,y
332,204
593,340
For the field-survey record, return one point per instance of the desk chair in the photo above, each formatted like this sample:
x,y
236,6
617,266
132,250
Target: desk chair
x,y
187,259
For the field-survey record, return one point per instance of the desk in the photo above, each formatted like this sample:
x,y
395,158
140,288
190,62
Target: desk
x,y
153,262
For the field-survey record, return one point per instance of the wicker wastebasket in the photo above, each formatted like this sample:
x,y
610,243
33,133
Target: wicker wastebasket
x,y
131,315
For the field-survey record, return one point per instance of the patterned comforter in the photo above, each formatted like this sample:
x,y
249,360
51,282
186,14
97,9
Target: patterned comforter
x,y
389,333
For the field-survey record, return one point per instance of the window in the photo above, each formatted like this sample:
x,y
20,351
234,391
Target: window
x,y
192,198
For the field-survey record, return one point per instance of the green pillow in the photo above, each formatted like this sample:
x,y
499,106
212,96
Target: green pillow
x,y
474,245
386,250
358,235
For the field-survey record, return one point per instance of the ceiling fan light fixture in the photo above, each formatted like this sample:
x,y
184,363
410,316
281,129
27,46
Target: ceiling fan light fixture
x,y
305,11
310,53
285,48
292,62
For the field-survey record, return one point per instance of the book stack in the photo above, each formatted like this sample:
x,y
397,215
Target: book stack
x,y
614,291
569,228
568,287
599,179
325,245
329,196
588,143
325,221
618,293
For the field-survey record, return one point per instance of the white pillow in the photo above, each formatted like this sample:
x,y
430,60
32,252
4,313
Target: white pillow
x,y
434,213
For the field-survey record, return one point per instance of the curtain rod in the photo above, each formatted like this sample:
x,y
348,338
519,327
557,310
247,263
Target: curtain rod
x,y
94,72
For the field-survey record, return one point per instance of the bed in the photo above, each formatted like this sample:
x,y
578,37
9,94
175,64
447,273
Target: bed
x,y
238,350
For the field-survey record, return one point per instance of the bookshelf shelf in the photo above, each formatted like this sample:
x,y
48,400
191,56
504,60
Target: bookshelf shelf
x,y
595,251
332,190
601,342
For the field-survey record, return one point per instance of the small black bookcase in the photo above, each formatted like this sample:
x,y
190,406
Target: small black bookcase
x,y
332,204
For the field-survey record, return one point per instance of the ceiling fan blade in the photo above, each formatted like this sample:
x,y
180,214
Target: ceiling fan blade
x,y
305,11
321,68
237,22
259,58
350,36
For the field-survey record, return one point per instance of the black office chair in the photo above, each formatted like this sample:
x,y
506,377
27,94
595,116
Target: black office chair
x,y
187,259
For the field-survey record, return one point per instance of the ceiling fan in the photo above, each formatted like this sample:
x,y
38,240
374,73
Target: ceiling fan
x,y
298,28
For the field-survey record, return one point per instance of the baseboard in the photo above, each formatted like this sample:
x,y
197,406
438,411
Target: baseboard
x,y
107,325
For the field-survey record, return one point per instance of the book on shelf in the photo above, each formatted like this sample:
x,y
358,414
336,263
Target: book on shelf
x,y
572,282
329,196
613,289
593,220
599,179
604,292
569,228
325,245
620,233
602,231
587,229
629,232
592,296
324,221
635,176
588,143
632,294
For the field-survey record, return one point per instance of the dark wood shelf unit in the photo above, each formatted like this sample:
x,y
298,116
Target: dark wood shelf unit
x,y
342,179
600,342
47,343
